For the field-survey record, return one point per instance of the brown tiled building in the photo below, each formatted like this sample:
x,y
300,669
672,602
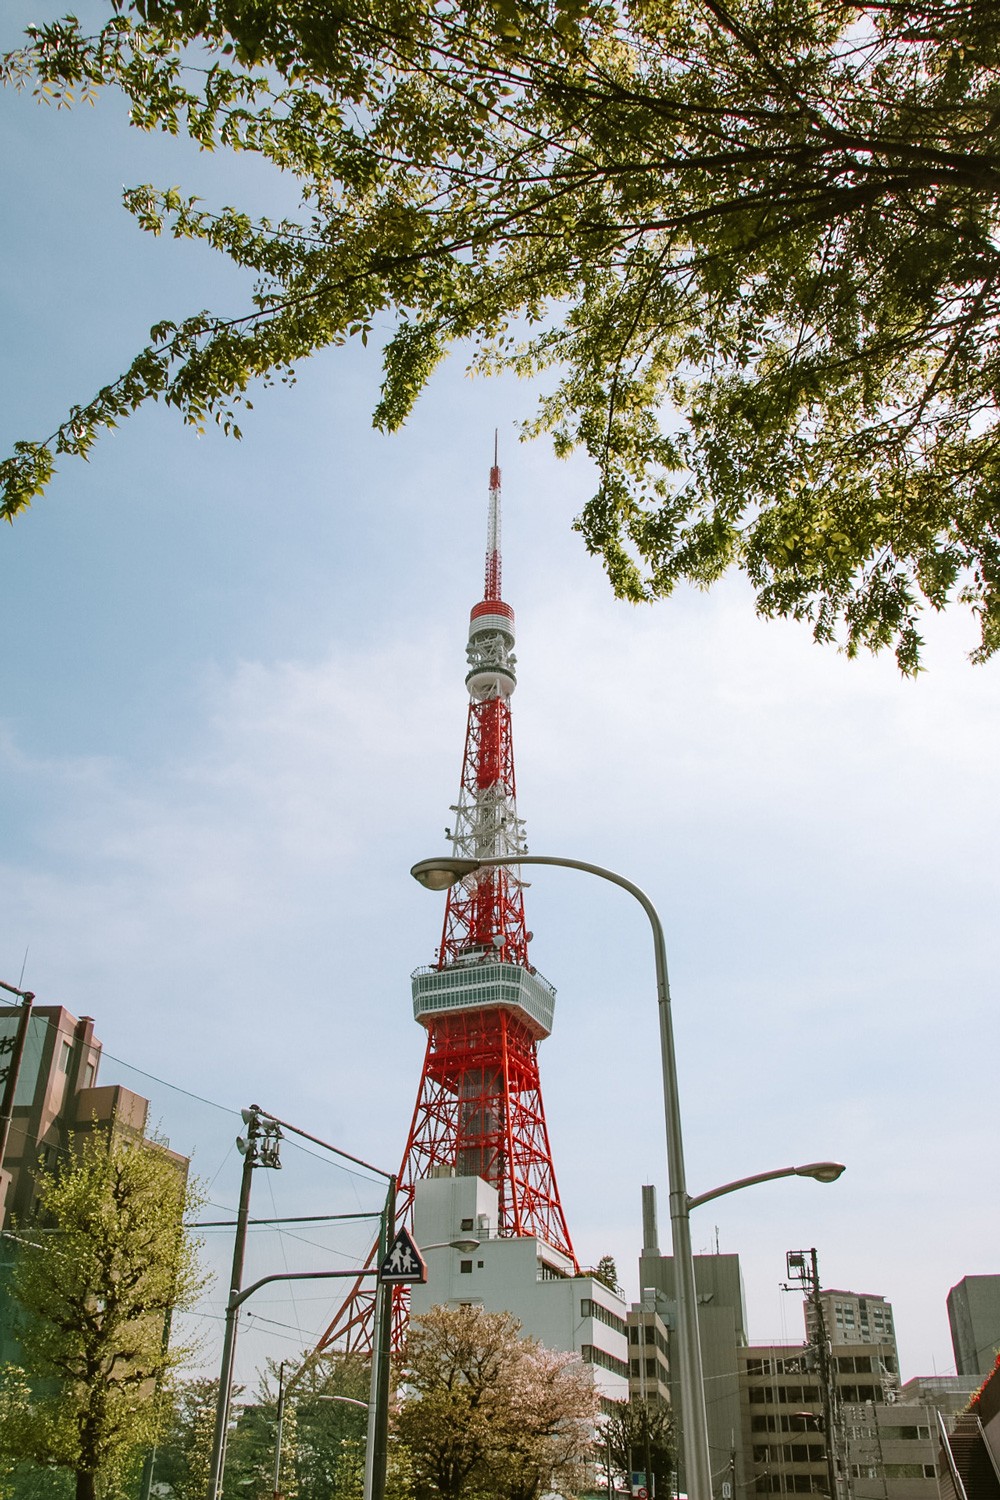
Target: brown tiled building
x,y
58,1101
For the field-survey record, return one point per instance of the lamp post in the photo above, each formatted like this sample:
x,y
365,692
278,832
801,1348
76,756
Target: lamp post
x,y
441,873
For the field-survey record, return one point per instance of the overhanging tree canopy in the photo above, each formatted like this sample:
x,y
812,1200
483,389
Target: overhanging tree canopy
x,y
753,248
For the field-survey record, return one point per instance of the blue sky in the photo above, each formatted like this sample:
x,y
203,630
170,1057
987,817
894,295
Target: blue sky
x,y
231,717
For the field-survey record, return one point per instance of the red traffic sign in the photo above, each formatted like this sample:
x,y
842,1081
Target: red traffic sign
x,y
404,1264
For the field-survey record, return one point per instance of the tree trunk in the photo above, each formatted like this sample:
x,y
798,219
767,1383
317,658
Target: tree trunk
x,y
86,1484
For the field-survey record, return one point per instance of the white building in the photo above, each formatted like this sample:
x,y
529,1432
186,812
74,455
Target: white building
x,y
523,1276
854,1318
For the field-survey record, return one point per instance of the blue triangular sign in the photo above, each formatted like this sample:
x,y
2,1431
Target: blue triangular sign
x,y
404,1263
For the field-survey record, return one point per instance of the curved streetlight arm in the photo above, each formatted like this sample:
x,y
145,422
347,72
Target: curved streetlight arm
x,y
439,874
823,1171
241,1297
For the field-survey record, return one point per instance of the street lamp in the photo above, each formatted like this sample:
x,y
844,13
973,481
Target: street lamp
x,y
441,873
820,1171
438,875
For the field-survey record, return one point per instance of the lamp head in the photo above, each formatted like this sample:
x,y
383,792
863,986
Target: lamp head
x,y
439,874
822,1171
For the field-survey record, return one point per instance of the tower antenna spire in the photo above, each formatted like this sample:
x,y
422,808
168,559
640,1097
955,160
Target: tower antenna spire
x,y
492,587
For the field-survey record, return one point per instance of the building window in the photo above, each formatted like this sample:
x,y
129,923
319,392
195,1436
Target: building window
x,y
468,1224
465,1266
592,1355
88,1076
65,1053
591,1308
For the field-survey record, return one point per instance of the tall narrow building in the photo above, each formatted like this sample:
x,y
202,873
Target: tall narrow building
x,y
485,1008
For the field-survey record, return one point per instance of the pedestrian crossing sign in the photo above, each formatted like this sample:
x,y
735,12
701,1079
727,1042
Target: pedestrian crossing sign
x,y
404,1264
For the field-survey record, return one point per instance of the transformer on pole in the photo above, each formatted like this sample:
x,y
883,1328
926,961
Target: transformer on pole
x,y
485,1008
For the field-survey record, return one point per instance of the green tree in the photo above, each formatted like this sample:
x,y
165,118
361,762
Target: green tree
x,y
323,1441
624,1434
184,1452
750,246
98,1275
607,1272
330,1451
250,1450
489,1413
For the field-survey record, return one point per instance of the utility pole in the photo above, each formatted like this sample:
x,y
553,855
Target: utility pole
x,y
15,1046
259,1149
807,1274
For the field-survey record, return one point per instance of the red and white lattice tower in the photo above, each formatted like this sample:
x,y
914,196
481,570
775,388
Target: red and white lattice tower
x,y
479,1106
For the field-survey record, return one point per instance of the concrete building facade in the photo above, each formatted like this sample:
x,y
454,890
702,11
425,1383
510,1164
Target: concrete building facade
x,y
58,1103
649,1354
522,1275
784,1421
974,1317
61,1059
885,1436
722,1332
854,1318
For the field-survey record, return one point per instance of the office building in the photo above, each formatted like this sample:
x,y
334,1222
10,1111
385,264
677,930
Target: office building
x,y
649,1353
974,1316
57,1102
722,1329
854,1318
521,1274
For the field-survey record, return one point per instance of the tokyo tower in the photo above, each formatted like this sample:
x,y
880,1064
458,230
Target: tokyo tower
x,y
485,1008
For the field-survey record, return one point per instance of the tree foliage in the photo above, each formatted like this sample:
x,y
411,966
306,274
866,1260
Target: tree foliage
x,y
323,1441
184,1451
607,1272
750,245
626,1431
97,1277
489,1413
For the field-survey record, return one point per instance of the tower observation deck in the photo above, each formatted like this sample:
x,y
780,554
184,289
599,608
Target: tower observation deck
x,y
485,1008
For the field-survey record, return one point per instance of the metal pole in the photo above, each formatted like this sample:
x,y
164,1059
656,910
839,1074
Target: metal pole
x,y
694,1416
377,1436
232,1315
